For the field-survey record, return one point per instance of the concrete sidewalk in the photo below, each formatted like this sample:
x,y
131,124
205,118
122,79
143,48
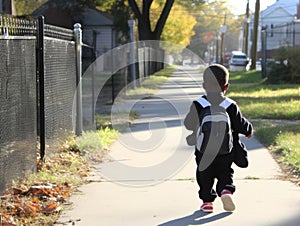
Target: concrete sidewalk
x,y
148,178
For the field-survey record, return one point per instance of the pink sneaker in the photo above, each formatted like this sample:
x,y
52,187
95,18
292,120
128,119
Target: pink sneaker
x,y
226,197
207,207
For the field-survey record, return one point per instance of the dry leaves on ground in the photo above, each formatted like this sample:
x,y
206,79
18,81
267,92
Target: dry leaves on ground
x,y
39,200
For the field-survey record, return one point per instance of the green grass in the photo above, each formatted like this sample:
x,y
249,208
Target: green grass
x,y
259,101
166,72
97,141
283,141
252,76
108,136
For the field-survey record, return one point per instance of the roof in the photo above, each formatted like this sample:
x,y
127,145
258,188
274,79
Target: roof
x,y
56,16
290,6
94,17
238,53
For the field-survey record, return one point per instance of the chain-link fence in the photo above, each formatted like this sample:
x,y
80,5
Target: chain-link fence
x,y
37,86
39,80
18,108
113,72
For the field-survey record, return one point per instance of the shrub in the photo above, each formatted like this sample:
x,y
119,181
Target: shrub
x,y
294,62
278,73
286,68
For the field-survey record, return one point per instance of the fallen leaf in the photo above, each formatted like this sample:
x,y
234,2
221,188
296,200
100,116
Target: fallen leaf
x,y
35,199
49,208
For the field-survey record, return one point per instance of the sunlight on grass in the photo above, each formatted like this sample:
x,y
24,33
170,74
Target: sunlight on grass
x,y
108,136
256,90
133,93
270,109
45,176
277,102
252,76
281,139
154,81
267,101
96,141
288,142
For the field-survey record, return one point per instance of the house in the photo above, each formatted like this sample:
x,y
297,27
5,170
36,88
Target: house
x,y
98,31
280,23
7,7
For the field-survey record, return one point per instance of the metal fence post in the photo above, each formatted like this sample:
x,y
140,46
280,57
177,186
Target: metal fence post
x,y
131,24
41,82
78,44
264,52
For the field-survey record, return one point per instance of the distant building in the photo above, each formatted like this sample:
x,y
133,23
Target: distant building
x,y
281,24
98,30
97,27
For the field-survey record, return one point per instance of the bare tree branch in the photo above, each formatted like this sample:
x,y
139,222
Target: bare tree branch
x,y
163,17
135,9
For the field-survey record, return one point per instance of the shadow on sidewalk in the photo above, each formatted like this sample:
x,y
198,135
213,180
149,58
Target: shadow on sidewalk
x,y
197,218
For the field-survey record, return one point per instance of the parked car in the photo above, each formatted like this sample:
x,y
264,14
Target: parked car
x,y
238,61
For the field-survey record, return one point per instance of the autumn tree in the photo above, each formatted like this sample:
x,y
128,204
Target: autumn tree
x,y
73,7
26,7
179,29
142,14
143,17
210,17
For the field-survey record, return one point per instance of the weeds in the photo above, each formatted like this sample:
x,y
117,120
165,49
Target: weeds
x,y
39,198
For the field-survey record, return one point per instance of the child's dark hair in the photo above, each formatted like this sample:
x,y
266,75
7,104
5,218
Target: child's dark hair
x,y
216,73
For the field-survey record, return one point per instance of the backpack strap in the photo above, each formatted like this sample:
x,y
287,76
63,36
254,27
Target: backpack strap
x,y
203,102
226,103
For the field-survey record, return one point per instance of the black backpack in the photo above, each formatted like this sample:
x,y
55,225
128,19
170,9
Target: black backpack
x,y
214,136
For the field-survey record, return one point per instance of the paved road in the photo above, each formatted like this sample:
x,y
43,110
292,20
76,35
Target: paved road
x,y
148,178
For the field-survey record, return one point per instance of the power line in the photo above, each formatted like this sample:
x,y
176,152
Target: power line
x,y
230,12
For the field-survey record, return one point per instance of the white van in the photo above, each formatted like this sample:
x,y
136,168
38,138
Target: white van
x,y
238,61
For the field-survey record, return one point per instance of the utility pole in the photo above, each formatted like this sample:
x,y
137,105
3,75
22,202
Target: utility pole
x,y
217,47
223,30
247,20
263,52
254,38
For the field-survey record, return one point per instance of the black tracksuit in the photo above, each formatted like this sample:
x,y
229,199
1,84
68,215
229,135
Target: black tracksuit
x,y
220,168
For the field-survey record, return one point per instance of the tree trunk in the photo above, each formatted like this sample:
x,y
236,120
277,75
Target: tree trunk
x,y
144,26
145,32
254,39
144,23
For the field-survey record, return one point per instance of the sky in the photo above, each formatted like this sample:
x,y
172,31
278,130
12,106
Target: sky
x,y
240,5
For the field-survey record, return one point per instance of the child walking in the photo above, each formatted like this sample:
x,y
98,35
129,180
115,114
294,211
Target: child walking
x,y
217,166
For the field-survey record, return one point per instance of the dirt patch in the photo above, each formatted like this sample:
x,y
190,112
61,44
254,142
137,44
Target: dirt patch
x,y
289,172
